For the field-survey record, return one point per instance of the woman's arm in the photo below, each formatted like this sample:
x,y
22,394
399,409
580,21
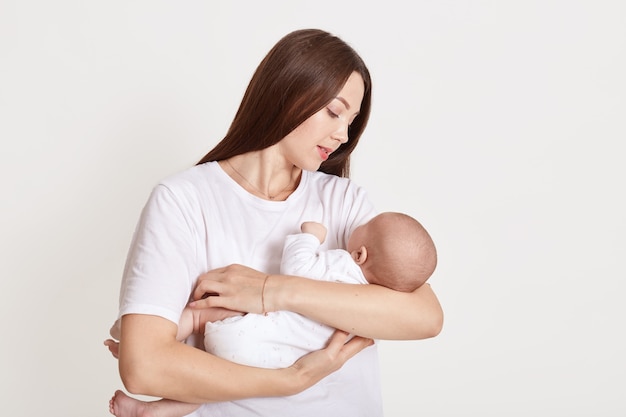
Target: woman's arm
x,y
363,310
147,366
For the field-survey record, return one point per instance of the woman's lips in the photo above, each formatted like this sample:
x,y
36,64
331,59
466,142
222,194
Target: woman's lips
x,y
324,152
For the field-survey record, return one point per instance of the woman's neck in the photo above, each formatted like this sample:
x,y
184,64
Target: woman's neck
x,y
262,174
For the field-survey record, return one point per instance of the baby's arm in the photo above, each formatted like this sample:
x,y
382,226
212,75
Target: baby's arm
x,y
300,252
316,229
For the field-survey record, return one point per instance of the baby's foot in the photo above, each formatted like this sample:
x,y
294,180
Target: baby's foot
x,y
114,347
121,405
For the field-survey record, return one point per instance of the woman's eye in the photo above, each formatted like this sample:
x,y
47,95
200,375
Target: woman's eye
x,y
332,113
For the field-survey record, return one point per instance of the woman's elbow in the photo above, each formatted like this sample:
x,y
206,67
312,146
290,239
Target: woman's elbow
x,y
136,376
426,326
436,325
145,345
132,378
429,320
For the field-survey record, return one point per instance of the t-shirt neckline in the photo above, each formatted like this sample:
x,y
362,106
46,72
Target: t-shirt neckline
x,y
234,185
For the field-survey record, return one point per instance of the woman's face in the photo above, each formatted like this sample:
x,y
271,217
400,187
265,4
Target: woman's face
x,y
311,143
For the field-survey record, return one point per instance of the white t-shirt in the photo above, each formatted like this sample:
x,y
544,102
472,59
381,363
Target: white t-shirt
x,y
202,219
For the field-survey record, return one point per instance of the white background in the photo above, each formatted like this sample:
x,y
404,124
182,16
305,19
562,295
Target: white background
x,y
499,124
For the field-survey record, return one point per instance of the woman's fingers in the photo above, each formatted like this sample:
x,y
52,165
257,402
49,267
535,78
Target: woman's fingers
x,y
354,346
319,364
341,346
219,281
235,287
208,284
337,340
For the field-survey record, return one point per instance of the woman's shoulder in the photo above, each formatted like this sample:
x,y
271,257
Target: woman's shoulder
x,y
193,174
186,186
195,178
341,192
332,185
348,202
323,179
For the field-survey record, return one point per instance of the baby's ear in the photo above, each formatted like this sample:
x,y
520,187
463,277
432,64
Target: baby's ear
x,y
360,255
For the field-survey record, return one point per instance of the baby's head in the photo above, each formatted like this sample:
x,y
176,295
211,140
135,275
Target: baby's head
x,y
394,250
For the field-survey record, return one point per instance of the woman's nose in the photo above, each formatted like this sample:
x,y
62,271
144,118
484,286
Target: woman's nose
x,y
341,134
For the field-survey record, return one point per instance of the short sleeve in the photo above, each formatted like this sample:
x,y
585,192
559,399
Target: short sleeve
x,y
159,274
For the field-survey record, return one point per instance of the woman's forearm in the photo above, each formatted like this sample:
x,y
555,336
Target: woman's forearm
x,y
365,310
153,363
370,311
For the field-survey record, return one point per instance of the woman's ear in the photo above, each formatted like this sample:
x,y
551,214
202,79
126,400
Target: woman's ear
x,y
360,255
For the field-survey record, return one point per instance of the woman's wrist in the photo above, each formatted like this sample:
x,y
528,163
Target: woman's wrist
x,y
264,310
292,381
276,293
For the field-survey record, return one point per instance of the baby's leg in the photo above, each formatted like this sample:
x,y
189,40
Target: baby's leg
x,y
194,320
121,405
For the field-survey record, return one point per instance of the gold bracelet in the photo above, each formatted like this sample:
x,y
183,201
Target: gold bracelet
x,y
263,295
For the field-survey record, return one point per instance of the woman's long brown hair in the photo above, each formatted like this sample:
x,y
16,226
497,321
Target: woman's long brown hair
x,y
300,75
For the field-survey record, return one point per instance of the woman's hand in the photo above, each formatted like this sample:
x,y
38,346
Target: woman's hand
x,y
234,287
314,366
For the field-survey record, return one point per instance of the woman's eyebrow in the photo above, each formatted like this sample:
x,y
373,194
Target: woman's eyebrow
x,y
344,101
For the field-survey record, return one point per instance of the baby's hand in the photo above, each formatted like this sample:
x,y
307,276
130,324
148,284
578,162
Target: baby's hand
x,y
316,229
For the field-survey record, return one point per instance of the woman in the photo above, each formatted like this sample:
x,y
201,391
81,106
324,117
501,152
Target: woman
x,y
284,160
